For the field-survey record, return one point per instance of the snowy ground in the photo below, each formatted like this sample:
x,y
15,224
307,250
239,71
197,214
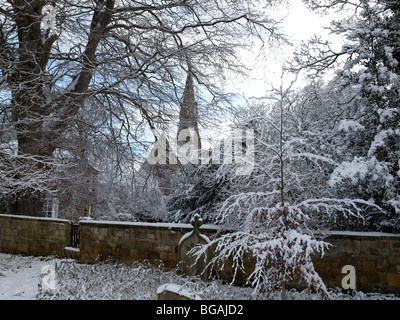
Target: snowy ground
x,y
21,278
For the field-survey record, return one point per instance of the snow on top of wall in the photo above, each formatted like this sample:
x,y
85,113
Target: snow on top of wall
x,y
189,226
363,233
166,225
215,227
33,218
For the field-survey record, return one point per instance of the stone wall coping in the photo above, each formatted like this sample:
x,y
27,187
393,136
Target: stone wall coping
x,y
362,235
204,228
151,225
33,218
214,228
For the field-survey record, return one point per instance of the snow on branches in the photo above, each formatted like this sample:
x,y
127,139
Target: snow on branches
x,y
282,250
275,225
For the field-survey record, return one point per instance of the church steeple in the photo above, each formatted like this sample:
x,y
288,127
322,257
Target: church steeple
x,y
188,115
163,161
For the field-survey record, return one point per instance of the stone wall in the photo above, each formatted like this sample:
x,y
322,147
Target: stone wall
x,y
375,256
129,241
33,235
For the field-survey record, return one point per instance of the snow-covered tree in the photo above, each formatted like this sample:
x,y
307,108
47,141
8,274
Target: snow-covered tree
x,y
275,210
62,62
367,66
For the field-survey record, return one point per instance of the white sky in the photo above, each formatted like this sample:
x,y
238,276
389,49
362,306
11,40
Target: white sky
x,y
300,24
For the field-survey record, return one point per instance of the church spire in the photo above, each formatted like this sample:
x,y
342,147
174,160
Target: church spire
x,y
188,115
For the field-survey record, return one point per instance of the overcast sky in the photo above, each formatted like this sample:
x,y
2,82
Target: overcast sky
x,y
300,24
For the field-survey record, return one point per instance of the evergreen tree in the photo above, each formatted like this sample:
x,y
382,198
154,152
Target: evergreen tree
x,y
369,136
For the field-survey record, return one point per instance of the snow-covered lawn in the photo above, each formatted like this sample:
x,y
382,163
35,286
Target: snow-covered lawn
x,y
21,278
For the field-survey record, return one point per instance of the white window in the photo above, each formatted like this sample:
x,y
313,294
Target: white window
x,y
50,207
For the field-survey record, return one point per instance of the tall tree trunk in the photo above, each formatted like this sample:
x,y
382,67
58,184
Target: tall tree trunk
x,y
28,124
28,98
37,132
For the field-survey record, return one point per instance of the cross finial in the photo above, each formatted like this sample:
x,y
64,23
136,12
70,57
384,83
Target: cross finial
x,y
196,221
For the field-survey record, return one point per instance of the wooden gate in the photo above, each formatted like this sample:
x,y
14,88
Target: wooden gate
x,y
75,235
